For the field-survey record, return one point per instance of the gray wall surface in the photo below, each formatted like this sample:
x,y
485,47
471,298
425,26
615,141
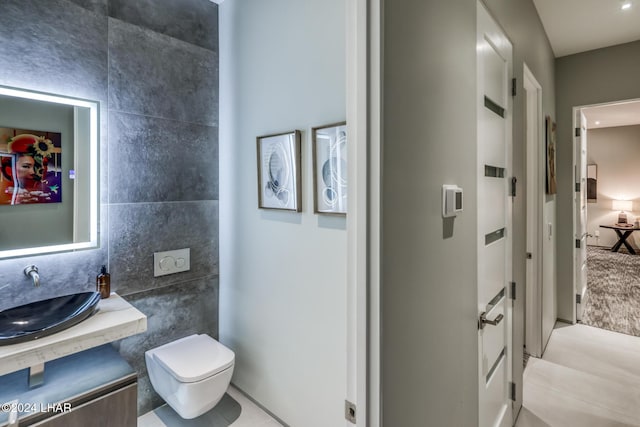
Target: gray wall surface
x,y
598,76
616,152
428,282
154,69
429,290
283,274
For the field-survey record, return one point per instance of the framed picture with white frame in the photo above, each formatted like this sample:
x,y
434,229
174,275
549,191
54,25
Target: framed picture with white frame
x,y
329,148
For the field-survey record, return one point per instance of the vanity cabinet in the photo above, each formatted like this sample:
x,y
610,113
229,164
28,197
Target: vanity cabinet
x,y
95,387
118,408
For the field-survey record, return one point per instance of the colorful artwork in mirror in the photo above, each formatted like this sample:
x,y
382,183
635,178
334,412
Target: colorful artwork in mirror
x,y
31,166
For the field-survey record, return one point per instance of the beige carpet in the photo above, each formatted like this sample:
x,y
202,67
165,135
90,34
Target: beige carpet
x,y
612,300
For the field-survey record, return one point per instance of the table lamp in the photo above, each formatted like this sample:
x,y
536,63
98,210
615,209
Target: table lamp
x,y
622,206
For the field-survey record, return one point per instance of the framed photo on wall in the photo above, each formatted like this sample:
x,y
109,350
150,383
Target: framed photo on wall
x,y
279,171
592,183
550,128
329,148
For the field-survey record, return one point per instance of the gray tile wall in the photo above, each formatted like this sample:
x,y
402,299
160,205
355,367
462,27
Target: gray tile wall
x,y
44,52
153,65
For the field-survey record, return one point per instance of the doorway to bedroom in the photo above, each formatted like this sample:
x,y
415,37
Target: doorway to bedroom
x,y
608,187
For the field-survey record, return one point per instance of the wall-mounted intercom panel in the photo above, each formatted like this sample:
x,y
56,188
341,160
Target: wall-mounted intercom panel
x,y
451,200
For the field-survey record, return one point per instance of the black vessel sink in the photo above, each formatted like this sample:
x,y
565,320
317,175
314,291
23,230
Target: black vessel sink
x,y
41,318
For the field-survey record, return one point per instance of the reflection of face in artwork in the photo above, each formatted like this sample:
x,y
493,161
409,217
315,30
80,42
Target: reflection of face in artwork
x,y
25,167
25,176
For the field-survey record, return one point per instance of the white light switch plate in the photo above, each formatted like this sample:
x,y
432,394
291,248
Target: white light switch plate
x,y
170,262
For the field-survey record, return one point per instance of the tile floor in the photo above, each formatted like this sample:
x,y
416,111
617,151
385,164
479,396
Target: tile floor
x,y
587,377
234,410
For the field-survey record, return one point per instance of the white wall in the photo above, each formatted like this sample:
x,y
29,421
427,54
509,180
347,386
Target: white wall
x,y
616,152
282,275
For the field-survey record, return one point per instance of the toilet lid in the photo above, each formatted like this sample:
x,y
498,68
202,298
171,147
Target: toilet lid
x,y
194,358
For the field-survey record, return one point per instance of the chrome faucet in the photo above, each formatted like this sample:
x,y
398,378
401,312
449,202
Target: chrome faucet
x,y
31,271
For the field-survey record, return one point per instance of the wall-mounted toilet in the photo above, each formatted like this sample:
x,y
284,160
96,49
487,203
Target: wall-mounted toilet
x,y
191,374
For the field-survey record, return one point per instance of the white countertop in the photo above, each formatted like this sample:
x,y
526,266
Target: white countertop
x,y
115,319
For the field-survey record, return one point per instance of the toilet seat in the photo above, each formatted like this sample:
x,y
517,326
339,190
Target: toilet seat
x,y
194,358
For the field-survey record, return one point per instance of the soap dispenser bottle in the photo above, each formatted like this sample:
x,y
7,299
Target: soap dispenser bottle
x,y
103,282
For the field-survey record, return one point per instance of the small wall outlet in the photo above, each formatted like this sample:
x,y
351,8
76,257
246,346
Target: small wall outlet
x,y
170,262
596,233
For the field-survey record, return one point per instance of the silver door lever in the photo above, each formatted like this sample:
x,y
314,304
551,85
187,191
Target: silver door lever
x,y
485,321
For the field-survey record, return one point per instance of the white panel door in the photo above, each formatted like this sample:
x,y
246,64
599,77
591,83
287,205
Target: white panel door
x,y
494,223
535,332
580,200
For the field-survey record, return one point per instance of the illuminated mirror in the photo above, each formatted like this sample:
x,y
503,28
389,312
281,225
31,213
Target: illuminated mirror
x,y
49,176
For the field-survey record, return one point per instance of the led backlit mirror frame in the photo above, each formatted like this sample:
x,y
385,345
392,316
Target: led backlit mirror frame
x,y
93,211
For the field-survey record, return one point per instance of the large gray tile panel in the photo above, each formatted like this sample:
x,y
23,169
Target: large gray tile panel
x,y
172,312
53,46
140,229
97,6
212,418
159,160
193,21
103,158
156,75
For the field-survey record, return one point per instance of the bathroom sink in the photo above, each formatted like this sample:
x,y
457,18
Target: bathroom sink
x,y
41,318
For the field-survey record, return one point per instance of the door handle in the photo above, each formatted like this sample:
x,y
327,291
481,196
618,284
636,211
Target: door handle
x,y
485,321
